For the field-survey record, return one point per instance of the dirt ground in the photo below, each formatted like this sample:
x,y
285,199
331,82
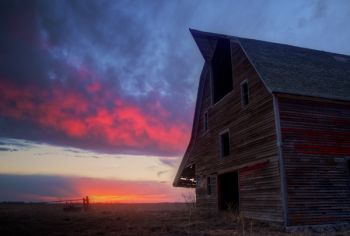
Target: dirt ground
x,y
131,219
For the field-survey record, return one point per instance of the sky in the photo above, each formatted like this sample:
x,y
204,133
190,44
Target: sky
x,y
97,97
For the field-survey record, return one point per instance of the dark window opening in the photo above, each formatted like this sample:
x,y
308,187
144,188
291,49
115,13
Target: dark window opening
x,y
208,185
245,93
198,179
348,166
222,70
228,191
225,144
206,121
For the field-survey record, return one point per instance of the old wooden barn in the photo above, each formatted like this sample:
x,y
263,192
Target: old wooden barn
x,y
271,132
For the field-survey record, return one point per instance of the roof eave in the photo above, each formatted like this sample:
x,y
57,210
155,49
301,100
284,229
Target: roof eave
x,y
206,43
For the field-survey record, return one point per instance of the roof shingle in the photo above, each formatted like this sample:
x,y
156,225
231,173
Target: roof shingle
x,y
294,70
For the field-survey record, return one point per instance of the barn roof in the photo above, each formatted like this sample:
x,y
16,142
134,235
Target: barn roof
x,y
289,69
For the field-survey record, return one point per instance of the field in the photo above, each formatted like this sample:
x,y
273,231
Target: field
x,y
131,219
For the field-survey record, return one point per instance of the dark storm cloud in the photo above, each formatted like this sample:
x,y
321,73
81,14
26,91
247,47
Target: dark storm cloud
x,y
35,187
21,60
69,66
82,49
12,145
5,149
124,41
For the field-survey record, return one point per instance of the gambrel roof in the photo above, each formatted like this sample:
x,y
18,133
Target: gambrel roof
x,y
283,69
289,69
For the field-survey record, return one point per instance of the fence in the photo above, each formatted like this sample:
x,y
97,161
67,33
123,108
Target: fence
x,y
73,204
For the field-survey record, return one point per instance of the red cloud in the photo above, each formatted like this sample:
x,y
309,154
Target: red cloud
x,y
82,113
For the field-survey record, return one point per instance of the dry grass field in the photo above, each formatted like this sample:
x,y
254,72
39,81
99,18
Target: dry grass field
x,y
130,219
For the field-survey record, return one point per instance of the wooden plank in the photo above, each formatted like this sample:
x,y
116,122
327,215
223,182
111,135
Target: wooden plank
x,y
316,142
281,160
252,140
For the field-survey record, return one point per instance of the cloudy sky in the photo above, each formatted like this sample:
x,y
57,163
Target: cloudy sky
x,y
97,97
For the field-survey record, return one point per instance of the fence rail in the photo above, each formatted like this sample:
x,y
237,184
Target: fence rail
x,y
71,204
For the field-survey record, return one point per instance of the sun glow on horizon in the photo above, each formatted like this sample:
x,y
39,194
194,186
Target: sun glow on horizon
x,y
131,198
52,173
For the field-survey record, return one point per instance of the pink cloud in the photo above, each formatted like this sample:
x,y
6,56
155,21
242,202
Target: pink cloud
x,y
82,113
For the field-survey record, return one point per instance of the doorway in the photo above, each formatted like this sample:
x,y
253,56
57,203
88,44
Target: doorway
x,y
228,191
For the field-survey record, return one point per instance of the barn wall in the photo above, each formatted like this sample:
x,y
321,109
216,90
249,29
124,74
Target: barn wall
x,y
204,201
260,192
252,141
316,145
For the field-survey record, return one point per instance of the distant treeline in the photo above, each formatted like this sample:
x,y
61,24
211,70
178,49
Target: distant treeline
x,y
21,202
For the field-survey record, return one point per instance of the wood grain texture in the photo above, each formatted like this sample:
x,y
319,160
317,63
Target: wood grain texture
x,y
252,140
291,152
316,144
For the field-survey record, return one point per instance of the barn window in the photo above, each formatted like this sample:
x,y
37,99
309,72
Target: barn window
x,y
221,70
206,121
225,144
244,93
198,179
208,185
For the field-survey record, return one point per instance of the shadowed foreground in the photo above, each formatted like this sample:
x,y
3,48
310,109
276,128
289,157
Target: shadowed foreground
x,y
129,219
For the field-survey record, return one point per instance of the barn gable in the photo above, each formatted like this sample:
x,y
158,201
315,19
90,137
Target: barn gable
x,y
207,44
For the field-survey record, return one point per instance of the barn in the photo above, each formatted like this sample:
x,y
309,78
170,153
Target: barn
x,y
271,132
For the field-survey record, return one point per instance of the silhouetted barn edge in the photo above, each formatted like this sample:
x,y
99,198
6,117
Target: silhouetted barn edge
x,y
271,132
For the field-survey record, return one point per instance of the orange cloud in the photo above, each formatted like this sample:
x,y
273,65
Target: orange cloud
x,y
84,114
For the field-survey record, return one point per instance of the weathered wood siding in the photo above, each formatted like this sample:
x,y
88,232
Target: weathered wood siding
x,y
316,143
260,196
252,141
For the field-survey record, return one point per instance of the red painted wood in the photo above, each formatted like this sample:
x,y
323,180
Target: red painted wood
x,y
315,144
255,167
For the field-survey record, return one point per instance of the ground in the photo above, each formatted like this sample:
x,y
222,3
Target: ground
x,y
131,219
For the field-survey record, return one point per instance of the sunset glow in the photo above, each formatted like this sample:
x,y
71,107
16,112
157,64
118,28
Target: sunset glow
x,y
98,116
72,173
97,98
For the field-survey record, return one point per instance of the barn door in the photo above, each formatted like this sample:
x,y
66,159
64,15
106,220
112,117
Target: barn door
x,y
228,191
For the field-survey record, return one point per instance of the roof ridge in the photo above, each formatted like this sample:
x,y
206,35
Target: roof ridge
x,y
194,31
